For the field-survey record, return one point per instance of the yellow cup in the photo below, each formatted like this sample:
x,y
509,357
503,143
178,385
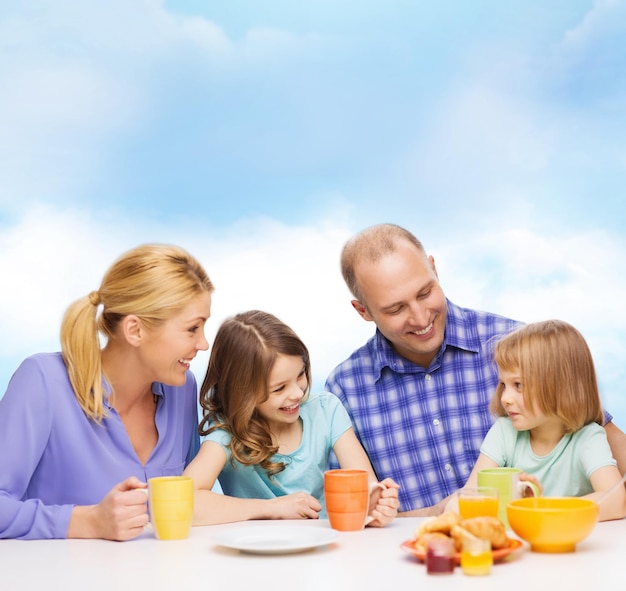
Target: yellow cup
x,y
171,506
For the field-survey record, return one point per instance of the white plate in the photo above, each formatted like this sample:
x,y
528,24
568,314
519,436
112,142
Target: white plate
x,y
274,539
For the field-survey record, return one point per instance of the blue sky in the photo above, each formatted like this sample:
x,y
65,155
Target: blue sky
x,y
261,135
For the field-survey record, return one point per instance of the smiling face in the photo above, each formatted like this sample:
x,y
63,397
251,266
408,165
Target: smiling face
x,y
287,386
402,296
167,351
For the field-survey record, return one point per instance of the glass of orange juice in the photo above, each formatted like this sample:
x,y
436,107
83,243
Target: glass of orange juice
x,y
478,501
476,557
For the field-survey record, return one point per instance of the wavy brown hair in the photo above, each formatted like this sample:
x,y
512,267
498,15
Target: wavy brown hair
x,y
557,373
243,354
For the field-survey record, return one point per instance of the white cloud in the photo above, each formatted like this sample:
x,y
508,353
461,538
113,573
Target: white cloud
x,y
605,19
576,277
50,257
83,81
83,84
589,58
292,272
479,140
57,124
534,276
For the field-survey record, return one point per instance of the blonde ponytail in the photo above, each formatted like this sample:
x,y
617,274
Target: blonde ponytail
x,y
80,347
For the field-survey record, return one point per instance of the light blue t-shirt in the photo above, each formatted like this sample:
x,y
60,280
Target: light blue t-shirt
x,y
566,470
324,420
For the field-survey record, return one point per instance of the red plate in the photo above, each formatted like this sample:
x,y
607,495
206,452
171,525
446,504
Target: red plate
x,y
498,554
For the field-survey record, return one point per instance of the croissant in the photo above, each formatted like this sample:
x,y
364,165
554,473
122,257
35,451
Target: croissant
x,y
488,528
442,523
459,534
421,542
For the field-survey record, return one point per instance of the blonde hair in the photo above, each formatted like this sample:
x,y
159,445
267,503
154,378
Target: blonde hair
x,y
154,282
556,370
370,245
244,351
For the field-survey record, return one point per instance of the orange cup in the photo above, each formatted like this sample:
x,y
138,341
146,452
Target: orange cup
x,y
347,497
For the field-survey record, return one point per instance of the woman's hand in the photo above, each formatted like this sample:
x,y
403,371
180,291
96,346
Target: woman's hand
x,y
121,515
384,503
298,505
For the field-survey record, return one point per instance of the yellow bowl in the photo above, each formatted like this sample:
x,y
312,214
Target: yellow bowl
x,y
552,524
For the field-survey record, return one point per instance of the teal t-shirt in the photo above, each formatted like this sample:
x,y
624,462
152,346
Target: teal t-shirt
x,y
324,420
564,471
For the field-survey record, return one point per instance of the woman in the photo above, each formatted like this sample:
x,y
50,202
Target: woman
x,y
82,430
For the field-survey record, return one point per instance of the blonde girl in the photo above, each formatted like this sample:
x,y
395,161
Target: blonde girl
x,y
550,416
265,436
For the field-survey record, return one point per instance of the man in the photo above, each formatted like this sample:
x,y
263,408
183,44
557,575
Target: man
x,y
418,391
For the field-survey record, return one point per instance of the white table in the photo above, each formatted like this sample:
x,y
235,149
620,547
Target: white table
x,y
367,560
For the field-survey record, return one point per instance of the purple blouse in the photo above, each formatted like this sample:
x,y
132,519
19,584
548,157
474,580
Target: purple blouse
x,y
53,457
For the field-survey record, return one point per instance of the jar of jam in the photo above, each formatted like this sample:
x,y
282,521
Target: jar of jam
x,y
476,557
440,556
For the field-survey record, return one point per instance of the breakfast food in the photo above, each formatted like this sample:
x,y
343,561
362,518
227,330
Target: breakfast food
x,y
442,523
452,525
421,542
460,535
487,528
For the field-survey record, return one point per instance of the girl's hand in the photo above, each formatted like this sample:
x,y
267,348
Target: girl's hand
x,y
120,516
385,504
298,505
530,478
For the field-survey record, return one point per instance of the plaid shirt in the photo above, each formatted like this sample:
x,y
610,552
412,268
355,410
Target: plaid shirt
x,y
424,427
